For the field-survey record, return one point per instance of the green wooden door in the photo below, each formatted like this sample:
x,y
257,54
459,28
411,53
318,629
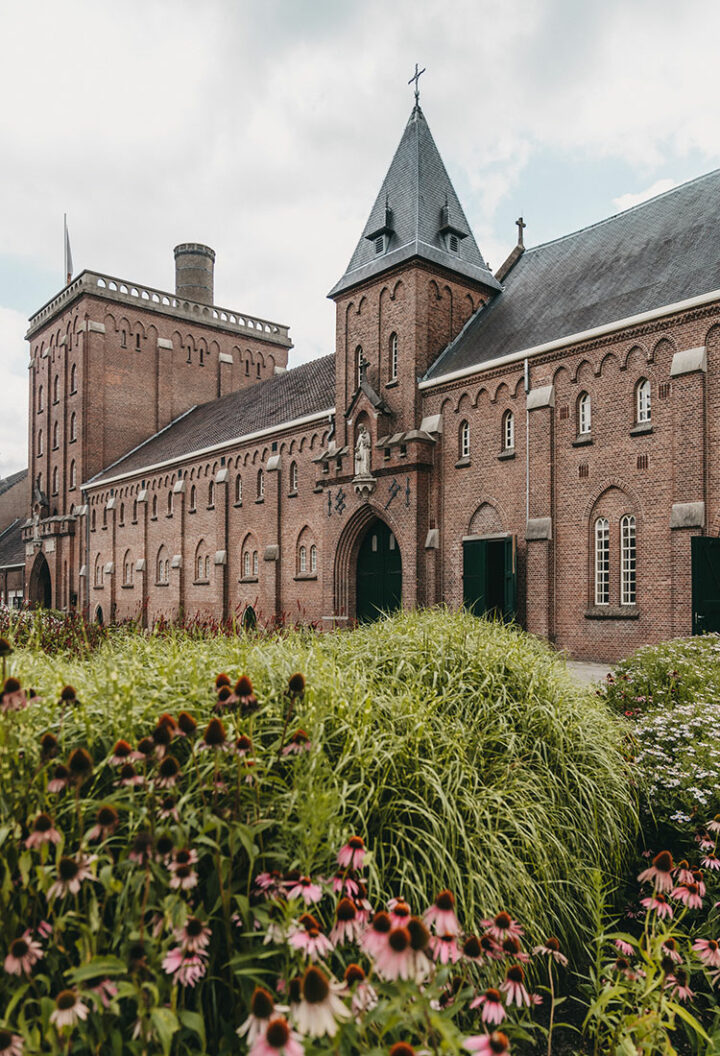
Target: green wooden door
x,y
705,552
489,577
379,573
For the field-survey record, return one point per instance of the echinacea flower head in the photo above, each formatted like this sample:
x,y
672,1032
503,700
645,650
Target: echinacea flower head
x,y
23,955
164,846
491,1003
13,697
697,878
11,1044
347,927
186,723
419,935
710,861
472,948
495,1044
708,950
184,878
277,1040
49,748
168,808
551,948
305,888
376,936
214,737
714,825
107,991
193,936
679,985
441,914
501,926
296,684
401,1048
146,748
297,743
142,847
70,874
168,772
6,650
68,694
320,1007
80,765
514,986
243,687
161,737
659,904
307,935
660,872
222,680
128,776
186,968
262,1007
352,855
43,831
122,753
60,778
445,949
107,820
684,872
688,894
396,959
68,1009
400,912
669,948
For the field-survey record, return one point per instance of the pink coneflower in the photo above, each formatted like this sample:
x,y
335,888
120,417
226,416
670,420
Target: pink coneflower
x,y
396,960
184,878
307,935
660,872
493,1010
107,820
659,904
710,861
193,936
298,742
43,831
684,873
23,955
304,888
347,926
352,855
551,948
269,882
185,968
697,878
708,950
320,1007
186,724
168,772
401,1048
445,949
161,737
49,747
70,874
243,746
495,1044
262,1007
490,948
364,996
472,949
375,938
714,825
142,848
13,697
44,929
688,894
184,856
214,738
514,986
669,948
442,914
129,777
11,1044
706,844
80,765
345,884
400,912
623,966
68,1009
60,778
107,991
123,753
168,809
164,847
501,926
678,984
512,949
277,1040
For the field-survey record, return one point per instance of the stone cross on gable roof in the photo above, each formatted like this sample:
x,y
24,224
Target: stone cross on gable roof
x,y
416,78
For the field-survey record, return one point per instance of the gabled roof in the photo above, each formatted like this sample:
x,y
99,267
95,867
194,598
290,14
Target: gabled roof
x,y
298,393
655,254
12,548
12,480
416,203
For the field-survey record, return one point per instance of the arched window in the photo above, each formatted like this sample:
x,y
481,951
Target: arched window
x,y
128,569
257,367
302,559
73,474
73,427
56,388
211,493
628,560
40,398
73,378
40,442
359,364
584,414
104,516
260,484
154,506
464,440
207,566
246,563
247,368
602,561
98,578
134,511
170,503
121,517
508,431
293,477
313,558
55,435
238,489
193,497
255,562
55,481
393,358
162,566
642,401
200,560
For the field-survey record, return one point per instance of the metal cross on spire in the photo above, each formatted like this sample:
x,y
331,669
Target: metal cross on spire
x,y
416,78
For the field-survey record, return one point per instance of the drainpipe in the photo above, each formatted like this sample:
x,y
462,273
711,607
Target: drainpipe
x,y
87,554
527,442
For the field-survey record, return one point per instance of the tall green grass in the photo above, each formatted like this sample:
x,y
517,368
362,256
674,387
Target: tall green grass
x,y
460,749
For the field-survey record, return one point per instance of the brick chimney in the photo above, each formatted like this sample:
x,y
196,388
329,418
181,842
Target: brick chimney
x,y
195,272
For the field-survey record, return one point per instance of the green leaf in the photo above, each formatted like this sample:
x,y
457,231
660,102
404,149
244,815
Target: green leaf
x,y
689,1019
195,1022
97,966
165,1024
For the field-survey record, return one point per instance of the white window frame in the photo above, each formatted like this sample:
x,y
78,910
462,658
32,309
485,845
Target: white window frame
x,y
260,484
393,356
293,476
602,561
303,559
584,414
643,404
628,560
255,562
313,558
359,360
465,439
246,563
238,489
508,431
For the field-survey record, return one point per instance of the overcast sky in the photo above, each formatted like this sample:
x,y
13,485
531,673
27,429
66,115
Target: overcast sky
x,y
264,128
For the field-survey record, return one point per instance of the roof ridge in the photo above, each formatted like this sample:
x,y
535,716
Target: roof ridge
x,y
622,212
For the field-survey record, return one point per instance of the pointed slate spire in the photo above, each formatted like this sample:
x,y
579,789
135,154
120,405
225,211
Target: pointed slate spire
x,y
416,214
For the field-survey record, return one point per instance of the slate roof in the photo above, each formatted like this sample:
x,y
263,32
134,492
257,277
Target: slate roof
x,y
658,253
417,189
305,390
12,548
12,480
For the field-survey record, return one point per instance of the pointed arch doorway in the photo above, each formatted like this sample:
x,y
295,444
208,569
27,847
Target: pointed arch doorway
x,y
40,592
379,573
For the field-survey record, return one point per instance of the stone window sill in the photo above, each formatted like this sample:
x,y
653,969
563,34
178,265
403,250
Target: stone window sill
x,y
201,582
612,612
582,441
237,505
153,518
168,516
72,440
193,509
505,456
211,507
462,462
258,501
98,586
292,494
305,575
391,384
163,584
127,586
641,428
248,579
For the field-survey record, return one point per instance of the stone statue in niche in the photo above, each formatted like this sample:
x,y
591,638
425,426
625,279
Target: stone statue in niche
x,y
362,453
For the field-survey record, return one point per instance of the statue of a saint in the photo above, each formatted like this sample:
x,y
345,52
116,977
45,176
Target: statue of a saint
x,y
362,453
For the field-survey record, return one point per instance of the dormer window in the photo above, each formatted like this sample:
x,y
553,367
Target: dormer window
x,y
452,243
450,232
379,244
380,236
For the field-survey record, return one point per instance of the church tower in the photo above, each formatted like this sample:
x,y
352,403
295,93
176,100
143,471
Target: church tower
x,y
415,278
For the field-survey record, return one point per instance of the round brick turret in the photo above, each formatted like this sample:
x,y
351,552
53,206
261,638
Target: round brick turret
x,y
194,272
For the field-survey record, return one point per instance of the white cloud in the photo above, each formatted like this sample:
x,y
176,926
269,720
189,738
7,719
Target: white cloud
x,y
13,370
625,201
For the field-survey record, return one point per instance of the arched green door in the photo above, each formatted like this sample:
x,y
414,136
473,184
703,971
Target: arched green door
x,y
40,584
379,573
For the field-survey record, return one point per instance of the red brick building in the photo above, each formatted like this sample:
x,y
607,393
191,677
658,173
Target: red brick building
x,y
539,442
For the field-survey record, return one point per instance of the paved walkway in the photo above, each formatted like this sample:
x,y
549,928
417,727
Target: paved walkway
x,y
588,673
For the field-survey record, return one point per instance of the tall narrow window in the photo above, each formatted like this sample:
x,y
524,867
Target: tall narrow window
x,y
73,378
55,435
260,484
123,339
643,401
393,357
602,561
255,562
303,559
170,503
193,497
247,367
40,399
464,444
40,442
56,388
584,415
313,558
73,474
359,364
238,489
508,431
628,561
293,477
134,511
211,493
55,481
154,506
73,427
246,563
121,516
